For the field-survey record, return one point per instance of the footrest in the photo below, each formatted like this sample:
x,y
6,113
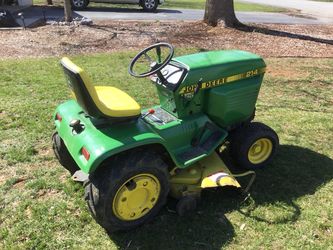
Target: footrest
x,y
191,153
204,148
212,140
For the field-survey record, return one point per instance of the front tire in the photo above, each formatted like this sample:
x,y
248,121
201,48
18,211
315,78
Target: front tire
x,y
149,5
79,4
128,192
253,146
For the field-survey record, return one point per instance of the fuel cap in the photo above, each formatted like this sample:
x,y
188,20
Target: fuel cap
x,y
74,123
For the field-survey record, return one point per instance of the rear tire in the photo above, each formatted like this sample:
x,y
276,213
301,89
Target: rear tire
x,y
128,191
253,146
61,152
149,5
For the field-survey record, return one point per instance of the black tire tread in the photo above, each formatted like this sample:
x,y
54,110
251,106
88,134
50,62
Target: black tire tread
x,y
61,152
106,180
244,137
86,3
149,10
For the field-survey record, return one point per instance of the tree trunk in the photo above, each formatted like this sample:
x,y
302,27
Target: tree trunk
x,y
68,11
221,11
49,2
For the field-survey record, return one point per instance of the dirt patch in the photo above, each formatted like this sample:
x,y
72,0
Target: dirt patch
x,y
44,151
284,73
107,36
3,179
47,193
20,182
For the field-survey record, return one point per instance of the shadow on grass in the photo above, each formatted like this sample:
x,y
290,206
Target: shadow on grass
x,y
271,32
295,172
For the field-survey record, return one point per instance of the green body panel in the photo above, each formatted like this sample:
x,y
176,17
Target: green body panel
x,y
102,143
220,89
215,63
226,104
232,103
99,142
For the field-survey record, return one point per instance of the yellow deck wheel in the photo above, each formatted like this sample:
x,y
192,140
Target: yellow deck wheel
x,y
136,197
260,151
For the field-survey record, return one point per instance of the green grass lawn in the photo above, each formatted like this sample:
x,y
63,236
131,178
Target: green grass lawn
x,y
42,208
186,4
200,4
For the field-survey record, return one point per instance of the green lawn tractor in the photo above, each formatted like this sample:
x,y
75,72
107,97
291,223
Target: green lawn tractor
x,y
130,160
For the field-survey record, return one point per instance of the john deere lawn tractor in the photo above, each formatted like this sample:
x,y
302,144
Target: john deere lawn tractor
x,y
130,159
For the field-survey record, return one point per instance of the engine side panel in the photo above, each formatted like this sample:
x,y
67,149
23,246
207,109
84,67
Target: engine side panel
x,y
222,84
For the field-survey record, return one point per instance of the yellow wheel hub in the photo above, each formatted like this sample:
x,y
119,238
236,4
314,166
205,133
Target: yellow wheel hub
x,y
260,151
136,197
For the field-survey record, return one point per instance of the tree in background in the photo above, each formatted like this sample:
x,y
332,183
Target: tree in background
x,y
68,10
221,11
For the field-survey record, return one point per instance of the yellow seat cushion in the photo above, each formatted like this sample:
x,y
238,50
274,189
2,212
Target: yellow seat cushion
x,y
110,101
117,102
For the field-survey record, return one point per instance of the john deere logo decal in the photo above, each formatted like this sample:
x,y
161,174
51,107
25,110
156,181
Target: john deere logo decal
x,y
211,84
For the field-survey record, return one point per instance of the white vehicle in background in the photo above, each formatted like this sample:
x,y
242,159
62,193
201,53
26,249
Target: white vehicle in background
x,y
147,5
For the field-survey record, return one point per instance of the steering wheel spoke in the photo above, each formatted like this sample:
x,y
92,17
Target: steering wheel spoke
x,y
159,54
148,58
155,66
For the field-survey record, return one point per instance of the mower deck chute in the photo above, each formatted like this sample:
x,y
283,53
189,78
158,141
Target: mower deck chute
x,y
207,173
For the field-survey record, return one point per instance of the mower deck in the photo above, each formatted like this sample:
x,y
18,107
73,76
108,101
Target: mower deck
x,y
209,172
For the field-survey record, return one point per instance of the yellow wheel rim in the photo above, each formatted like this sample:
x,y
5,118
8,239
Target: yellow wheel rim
x,y
260,151
136,197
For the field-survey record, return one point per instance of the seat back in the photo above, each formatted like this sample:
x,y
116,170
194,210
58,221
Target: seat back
x,y
82,88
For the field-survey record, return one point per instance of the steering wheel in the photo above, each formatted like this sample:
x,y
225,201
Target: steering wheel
x,y
154,64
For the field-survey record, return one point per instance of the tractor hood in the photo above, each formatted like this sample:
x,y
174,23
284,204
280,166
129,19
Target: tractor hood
x,y
222,58
225,79
212,65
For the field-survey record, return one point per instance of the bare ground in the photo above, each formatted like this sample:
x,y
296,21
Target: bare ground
x,y
106,36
